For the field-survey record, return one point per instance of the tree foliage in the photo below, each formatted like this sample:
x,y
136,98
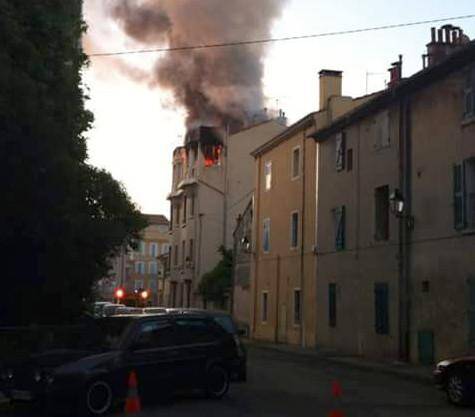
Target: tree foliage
x,y
60,218
215,284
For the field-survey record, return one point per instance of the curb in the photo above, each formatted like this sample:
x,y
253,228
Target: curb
x,y
350,361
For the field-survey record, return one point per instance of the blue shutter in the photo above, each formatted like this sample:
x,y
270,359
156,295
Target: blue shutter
x,y
340,237
381,308
459,196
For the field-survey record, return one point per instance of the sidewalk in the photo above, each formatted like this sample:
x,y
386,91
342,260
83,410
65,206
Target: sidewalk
x,y
418,373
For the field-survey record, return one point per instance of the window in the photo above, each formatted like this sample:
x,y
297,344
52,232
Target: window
x,y
268,175
153,268
191,331
381,308
381,213
175,256
349,160
383,139
138,284
295,162
339,225
294,229
469,95
332,305
464,194
177,215
142,247
192,206
183,252
340,151
184,210
297,306
155,334
266,236
165,248
264,306
153,285
140,267
191,249
153,249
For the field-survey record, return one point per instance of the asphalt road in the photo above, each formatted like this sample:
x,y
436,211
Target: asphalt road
x,y
283,384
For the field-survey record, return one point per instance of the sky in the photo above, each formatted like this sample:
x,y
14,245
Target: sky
x,y
136,127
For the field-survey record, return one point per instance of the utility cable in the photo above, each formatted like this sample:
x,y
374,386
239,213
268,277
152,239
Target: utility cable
x,y
283,39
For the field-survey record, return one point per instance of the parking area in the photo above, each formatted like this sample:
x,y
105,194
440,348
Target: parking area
x,y
284,384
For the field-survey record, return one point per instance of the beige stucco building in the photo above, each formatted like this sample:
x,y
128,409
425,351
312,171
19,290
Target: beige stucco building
x,y
395,212
212,183
283,260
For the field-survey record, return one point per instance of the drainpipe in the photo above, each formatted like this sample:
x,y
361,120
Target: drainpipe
x,y
302,247
255,249
405,229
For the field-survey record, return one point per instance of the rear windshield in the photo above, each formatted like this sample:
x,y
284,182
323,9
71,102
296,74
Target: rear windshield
x,y
108,332
227,323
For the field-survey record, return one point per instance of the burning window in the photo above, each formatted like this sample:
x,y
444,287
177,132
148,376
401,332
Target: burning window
x,y
212,155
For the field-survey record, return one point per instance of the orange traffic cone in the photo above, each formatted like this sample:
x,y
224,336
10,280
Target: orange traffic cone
x,y
132,402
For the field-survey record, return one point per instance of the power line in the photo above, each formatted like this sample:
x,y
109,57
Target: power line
x,y
288,38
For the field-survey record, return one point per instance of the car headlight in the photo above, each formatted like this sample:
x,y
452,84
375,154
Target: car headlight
x,y
442,365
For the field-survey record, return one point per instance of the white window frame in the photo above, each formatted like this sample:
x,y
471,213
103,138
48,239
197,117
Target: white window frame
x,y
267,175
297,230
264,317
265,222
292,166
293,305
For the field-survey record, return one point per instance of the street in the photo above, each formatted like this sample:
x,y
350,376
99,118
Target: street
x,y
283,384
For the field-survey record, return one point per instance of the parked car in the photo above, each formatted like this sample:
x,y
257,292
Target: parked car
x,y
128,310
99,307
226,321
111,309
457,378
168,352
154,310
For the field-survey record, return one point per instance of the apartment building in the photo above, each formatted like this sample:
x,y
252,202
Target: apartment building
x,y
283,288
145,266
212,182
395,271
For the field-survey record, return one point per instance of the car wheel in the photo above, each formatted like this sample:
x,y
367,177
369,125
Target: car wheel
x,y
98,399
217,381
457,389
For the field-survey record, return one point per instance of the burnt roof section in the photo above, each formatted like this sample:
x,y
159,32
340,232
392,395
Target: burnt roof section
x,y
204,135
157,219
406,87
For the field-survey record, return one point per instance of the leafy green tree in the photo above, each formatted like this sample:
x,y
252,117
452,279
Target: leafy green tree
x,y
60,218
215,284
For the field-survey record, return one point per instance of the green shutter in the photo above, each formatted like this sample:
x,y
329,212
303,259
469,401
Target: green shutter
x,y
459,197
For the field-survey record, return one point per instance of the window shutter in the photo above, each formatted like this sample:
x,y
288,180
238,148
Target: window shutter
x,y
340,151
469,102
340,228
381,306
332,305
459,197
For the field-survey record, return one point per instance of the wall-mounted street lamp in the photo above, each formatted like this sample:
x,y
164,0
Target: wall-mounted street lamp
x,y
246,245
398,208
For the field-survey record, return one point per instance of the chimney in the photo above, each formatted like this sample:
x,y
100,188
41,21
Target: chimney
x,y
444,42
330,86
395,73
